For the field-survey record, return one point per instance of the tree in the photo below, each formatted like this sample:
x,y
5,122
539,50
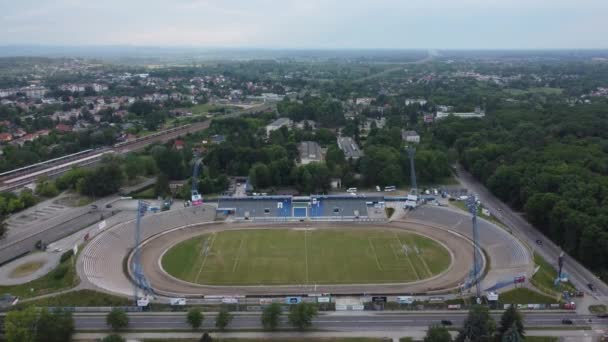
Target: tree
x,y
105,180
302,314
478,325
57,326
270,316
260,176
20,326
161,188
224,317
206,338
511,335
438,333
3,226
195,318
510,318
113,338
117,319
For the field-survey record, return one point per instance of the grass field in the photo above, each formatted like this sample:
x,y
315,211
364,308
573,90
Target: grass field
x,y
81,298
544,278
290,256
525,296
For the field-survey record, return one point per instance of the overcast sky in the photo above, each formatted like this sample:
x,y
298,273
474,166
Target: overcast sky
x,y
487,24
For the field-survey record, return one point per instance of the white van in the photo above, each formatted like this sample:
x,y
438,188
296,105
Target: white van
x,y
390,188
351,190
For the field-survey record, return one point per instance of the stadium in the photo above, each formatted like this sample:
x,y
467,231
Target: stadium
x,y
264,246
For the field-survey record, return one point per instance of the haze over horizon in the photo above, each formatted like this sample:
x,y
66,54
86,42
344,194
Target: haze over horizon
x,y
313,24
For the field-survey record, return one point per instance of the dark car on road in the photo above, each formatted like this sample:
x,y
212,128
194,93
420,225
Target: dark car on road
x,y
602,315
567,321
591,287
446,322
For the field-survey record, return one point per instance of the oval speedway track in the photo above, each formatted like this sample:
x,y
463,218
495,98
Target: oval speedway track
x,y
101,263
460,249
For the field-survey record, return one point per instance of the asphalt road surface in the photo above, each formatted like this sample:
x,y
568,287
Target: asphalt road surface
x,y
578,274
347,321
23,239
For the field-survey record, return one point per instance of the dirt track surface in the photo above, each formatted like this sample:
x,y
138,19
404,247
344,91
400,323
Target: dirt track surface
x,y
460,249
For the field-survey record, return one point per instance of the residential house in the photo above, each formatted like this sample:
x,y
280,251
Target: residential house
x,y
410,136
63,128
6,137
178,145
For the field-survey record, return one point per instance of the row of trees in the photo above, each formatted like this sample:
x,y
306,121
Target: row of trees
x,y
479,326
32,325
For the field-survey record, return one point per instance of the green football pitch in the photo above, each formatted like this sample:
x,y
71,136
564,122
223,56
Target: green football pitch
x,y
293,256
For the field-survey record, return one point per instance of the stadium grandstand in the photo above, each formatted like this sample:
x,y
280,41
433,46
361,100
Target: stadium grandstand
x,y
315,207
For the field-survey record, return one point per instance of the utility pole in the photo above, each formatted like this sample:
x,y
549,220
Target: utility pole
x,y
140,280
411,151
473,207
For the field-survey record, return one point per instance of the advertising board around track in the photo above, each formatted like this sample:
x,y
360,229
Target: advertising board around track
x,y
293,300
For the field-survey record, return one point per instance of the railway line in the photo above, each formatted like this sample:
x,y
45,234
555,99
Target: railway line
x,y
18,178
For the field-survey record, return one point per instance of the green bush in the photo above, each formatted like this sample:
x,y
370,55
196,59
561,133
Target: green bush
x,y
67,255
60,272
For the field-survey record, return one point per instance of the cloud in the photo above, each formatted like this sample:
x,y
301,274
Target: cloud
x,y
308,23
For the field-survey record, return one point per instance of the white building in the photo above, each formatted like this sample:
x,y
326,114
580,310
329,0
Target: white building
x,y
278,123
421,102
478,113
410,136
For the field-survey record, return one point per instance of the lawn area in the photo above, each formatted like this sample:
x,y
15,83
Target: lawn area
x,y
544,278
523,295
541,339
537,90
294,256
145,193
62,277
463,206
207,107
344,339
81,298
598,309
26,269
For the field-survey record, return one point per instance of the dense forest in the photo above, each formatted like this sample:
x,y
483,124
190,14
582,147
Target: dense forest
x,y
550,162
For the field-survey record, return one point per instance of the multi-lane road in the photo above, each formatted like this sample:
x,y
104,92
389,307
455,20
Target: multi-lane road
x,y
334,321
578,274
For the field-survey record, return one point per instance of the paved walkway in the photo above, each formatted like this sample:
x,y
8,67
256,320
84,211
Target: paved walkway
x,y
416,333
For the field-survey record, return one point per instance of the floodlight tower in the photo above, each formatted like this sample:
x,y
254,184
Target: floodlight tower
x,y
140,281
196,198
473,207
411,151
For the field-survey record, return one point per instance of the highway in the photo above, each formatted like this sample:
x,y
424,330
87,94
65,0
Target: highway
x,y
579,276
335,321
